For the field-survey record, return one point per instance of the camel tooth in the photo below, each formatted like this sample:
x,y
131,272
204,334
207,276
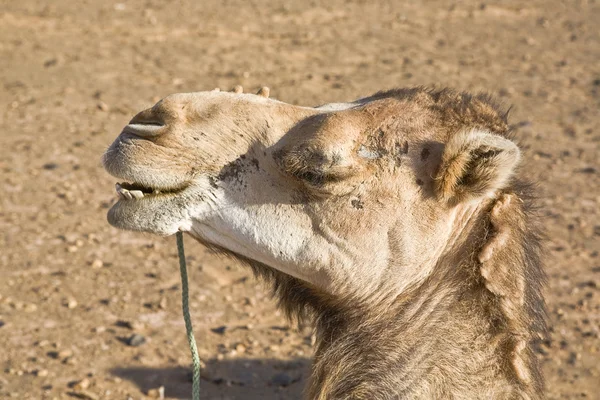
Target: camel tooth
x,y
119,190
238,89
264,92
123,193
138,194
216,89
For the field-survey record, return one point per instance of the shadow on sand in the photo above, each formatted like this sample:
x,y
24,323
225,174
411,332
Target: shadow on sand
x,y
248,379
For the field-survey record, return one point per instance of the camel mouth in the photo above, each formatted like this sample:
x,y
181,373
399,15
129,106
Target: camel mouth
x,y
137,191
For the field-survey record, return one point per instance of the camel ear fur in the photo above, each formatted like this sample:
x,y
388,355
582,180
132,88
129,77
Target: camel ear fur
x,y
475,164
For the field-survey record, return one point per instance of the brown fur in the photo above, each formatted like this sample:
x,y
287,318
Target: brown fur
x,y
493,307
435,341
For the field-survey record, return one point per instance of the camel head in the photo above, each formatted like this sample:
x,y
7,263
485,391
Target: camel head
x,y
355,199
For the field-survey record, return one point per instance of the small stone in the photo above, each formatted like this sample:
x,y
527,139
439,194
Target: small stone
x,y
96,264
50,166
99,329
136,340
64,354
573,358
70,361
240,348
162,304
158,393
71,303
219,330
29,308
50,62
80,385
102,106
133,325
41,372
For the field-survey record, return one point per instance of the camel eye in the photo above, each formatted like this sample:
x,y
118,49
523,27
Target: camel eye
x,y
312,177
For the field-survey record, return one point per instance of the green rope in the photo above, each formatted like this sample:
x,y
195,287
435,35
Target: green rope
x,y
188,319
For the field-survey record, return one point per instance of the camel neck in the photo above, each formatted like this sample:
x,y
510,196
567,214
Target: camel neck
x,y
446,338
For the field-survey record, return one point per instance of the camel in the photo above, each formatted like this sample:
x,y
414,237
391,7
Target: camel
x,y
397,223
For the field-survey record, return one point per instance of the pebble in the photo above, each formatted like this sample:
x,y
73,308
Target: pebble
x,y
96,264
70,361
133,325
136,340
71,303
80,385
158,393
64,353
50,166
102,106
240,348
573,358
219,330
162,304
29,308
41,372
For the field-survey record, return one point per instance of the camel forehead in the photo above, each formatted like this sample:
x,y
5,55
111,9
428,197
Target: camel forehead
x,y
188,105
378,122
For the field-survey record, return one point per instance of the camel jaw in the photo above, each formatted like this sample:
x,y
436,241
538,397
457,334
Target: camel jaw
x,y
162,211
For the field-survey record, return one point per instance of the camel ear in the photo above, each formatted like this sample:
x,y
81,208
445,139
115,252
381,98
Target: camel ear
x,y
475,164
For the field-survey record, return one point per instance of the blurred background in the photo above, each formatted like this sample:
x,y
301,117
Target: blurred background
x,y
90,312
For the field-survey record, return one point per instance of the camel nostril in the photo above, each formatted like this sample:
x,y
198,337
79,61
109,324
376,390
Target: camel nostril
x,y
147,123
145,129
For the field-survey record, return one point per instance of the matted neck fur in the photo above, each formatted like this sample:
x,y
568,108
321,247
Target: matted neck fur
x,y
396,221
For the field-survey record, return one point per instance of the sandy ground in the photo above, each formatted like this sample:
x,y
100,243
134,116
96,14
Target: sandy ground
x,y
73,290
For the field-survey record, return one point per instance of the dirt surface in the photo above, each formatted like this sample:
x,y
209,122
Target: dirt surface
x,y
73,290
